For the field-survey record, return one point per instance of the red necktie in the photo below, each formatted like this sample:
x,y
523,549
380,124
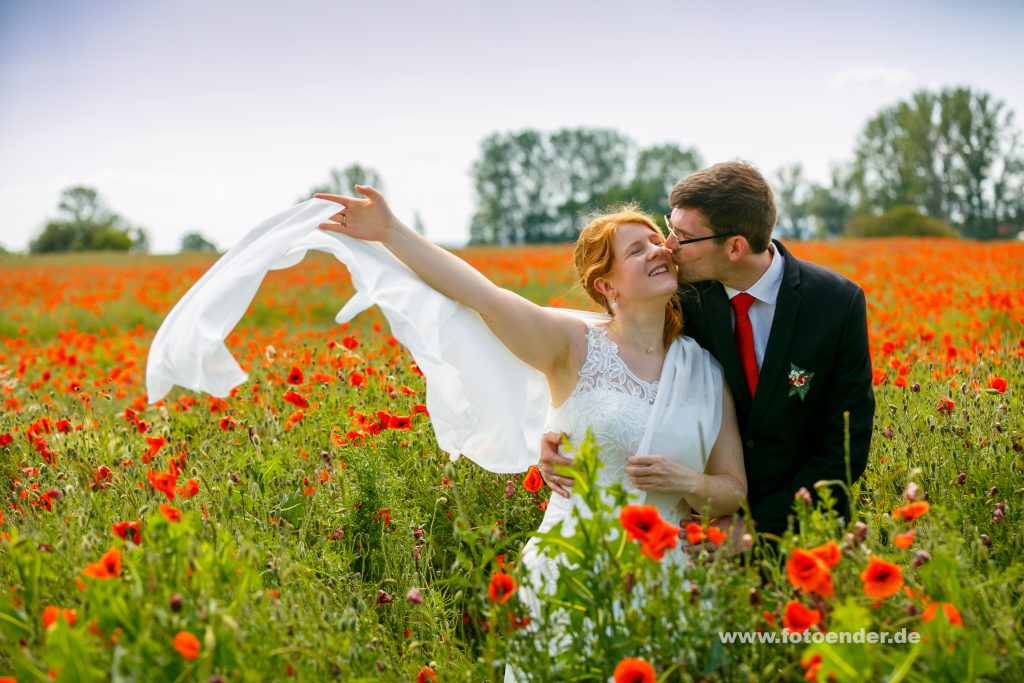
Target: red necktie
x,y
745,338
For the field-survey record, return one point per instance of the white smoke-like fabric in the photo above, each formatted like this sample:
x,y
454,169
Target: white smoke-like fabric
x,y
484,402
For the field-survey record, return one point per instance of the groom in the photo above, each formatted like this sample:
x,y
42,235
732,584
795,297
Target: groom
x,y
791,337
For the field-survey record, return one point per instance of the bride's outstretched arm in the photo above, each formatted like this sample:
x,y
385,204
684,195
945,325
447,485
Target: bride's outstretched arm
x,y
722,484
539,337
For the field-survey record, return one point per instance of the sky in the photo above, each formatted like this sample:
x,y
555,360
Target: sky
x,y
210,116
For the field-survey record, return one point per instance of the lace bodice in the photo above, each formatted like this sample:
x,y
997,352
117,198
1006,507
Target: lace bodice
x,y
609,400
676,417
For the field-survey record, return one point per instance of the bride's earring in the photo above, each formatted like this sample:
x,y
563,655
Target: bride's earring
x,y
615,302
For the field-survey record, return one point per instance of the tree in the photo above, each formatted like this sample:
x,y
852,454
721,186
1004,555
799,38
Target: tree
x,y
831,206
87,225
140,241
193,241
954,154
537,187
792,192
343,181
586,163
657,169
515,189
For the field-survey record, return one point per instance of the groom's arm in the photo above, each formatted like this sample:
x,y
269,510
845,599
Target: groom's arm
x,y
850,390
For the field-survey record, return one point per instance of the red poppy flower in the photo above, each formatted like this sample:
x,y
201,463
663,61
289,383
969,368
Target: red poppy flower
x,y
186,644
163,481
400,422
911,511
227,423
533,481
425,674
797,618
296,399
633,670
6,439
294,419
946,405
830,553
808,572
357,379
51,613
998,384
171,513
518,622
948,608
189,490
904,540
295,376
349,342
501,588
716,535
659,540
881,579
811,665
155,444
695,533
123,529
108,567
639,521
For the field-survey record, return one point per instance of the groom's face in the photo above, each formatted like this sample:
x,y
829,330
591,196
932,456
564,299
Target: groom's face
x,y
697,261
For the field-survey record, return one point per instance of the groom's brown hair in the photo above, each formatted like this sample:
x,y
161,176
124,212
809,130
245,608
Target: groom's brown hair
x,y
733,197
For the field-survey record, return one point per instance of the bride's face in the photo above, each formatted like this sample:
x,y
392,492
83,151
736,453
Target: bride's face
x,y
643,266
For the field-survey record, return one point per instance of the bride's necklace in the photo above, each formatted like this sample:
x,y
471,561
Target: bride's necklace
x,y
649,350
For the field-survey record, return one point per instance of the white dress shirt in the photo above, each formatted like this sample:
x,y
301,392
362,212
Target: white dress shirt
x,y
762,311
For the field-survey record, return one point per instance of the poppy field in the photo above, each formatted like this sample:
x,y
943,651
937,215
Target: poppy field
x,y
308,527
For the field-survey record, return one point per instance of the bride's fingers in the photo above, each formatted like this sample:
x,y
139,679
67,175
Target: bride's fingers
x,y
342,199
369,192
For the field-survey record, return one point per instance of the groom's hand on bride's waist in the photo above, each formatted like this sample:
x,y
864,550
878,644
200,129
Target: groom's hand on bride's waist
x,y
550,459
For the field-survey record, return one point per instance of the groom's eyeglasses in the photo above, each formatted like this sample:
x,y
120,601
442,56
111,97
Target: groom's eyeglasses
x,y
671,230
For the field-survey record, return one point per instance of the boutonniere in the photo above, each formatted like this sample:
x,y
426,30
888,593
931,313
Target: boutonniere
x,y
799,381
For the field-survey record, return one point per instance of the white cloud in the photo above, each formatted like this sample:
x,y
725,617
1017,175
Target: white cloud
x,y
869,77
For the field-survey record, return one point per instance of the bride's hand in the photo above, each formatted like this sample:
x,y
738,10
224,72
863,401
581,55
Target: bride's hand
x,y
658,474
366,219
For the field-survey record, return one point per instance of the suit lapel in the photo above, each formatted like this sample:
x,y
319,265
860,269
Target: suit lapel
x,y
787,307
718,309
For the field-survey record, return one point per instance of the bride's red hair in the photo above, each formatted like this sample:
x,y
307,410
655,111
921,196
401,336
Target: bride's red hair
x,y
594,255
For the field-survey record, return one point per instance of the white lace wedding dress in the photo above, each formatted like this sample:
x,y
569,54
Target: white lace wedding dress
x,y
617,406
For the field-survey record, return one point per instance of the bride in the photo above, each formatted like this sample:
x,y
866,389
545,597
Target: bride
x,y
654,400
500,371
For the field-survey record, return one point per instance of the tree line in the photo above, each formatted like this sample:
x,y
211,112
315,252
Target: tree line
x,y
952,157
938,163
941,163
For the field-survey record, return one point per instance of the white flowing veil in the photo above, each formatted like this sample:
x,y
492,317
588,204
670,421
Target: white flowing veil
x,y
484,402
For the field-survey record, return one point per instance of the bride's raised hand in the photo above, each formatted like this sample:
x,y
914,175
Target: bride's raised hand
x,y
366,219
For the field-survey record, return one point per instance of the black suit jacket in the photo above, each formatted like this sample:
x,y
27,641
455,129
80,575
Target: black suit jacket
x,y
820,326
